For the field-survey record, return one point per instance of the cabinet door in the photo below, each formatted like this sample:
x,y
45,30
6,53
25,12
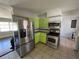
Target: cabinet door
x,y
36,22
43,37
37,38
43,23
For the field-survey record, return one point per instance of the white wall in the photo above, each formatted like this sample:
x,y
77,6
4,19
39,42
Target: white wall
x,y
54,12
23,12
66,18
72,12
75,13
66,30
5,11
43,15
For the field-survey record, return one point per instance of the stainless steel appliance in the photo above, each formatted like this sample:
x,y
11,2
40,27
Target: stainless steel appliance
x,y
24,36
53,37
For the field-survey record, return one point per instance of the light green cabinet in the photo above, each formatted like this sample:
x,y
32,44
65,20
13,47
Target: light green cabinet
x,y
43,24
43,37
36,25
36,22
37,38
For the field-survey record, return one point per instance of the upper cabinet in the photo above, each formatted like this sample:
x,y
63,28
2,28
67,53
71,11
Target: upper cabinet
x,y
36,22
43,23
40,22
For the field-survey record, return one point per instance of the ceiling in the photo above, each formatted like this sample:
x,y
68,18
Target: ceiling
x,y
43,5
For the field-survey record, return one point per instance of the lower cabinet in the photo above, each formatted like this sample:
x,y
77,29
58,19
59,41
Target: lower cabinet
x,y
37,37
43,37
40,37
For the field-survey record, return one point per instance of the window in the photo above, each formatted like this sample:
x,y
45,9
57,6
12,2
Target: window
x,y
8,26
73,23
13,26
4,26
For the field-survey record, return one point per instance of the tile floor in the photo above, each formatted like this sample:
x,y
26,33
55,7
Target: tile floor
x,y
42,51
12,55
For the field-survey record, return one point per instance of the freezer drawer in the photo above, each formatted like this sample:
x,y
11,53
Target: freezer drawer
x,y
25,48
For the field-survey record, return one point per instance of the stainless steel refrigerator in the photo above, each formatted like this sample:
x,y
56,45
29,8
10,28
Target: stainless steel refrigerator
x,y
24,35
